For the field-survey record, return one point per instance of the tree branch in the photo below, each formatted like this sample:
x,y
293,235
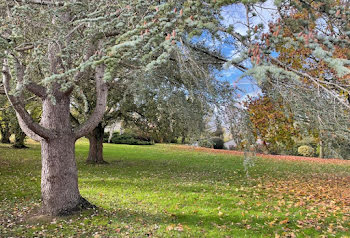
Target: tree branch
x,y
26,129
36,89
101,103
30,127
24,48
91,50
314,80
218,58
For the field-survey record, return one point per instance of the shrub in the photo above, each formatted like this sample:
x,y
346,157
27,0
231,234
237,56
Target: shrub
x,y
105,137
128,139
306,150
205,143
218,143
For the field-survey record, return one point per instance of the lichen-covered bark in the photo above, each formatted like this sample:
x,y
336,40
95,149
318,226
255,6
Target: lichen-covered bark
x,y
96,146
59,177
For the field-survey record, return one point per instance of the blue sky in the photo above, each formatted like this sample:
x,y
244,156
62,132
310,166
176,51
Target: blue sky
x,y
234,76
235,15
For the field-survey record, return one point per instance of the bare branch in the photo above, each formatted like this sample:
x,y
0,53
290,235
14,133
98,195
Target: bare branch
x,y
216,57
24,48
101,103
36,89
314,80
26,129
27,121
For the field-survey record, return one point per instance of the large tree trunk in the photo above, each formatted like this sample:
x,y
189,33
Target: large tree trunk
x,y
96,146
5,134
59,177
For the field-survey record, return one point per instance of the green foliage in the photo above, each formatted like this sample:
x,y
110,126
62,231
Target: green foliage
x,y
219,131
309,141
215,142
306,150
128,139
205,143
218,143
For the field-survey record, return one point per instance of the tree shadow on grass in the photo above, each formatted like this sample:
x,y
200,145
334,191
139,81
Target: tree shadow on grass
x,y
167,222
165,169
206,215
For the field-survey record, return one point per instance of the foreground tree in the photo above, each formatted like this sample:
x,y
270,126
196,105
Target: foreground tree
x,y
25,59
49,47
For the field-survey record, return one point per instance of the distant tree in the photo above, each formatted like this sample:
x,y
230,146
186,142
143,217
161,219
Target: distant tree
x,y
273,123
5,117
219,131
9,122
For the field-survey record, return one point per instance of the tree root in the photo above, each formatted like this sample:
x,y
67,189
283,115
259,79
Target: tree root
x,y
82,205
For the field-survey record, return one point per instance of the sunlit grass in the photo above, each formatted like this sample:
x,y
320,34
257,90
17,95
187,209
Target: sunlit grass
x,y
165,191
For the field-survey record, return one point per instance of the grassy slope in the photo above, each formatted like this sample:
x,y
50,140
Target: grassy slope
x,y
165,191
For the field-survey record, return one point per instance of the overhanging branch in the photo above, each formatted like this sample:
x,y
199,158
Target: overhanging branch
x,y
28,125
101,103
216,57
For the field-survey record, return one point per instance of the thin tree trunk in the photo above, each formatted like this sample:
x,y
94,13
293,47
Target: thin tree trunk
x,y
96,146
321,155
59,176
183,137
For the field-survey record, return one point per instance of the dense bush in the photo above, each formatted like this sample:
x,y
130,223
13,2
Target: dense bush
x,y
205,143
218,143
306,150
128,139
105,137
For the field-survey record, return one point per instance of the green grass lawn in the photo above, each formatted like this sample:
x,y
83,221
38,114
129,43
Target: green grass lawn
x,y
167,191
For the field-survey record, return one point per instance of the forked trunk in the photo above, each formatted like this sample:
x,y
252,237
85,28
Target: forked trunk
x,y
59,176
96,146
